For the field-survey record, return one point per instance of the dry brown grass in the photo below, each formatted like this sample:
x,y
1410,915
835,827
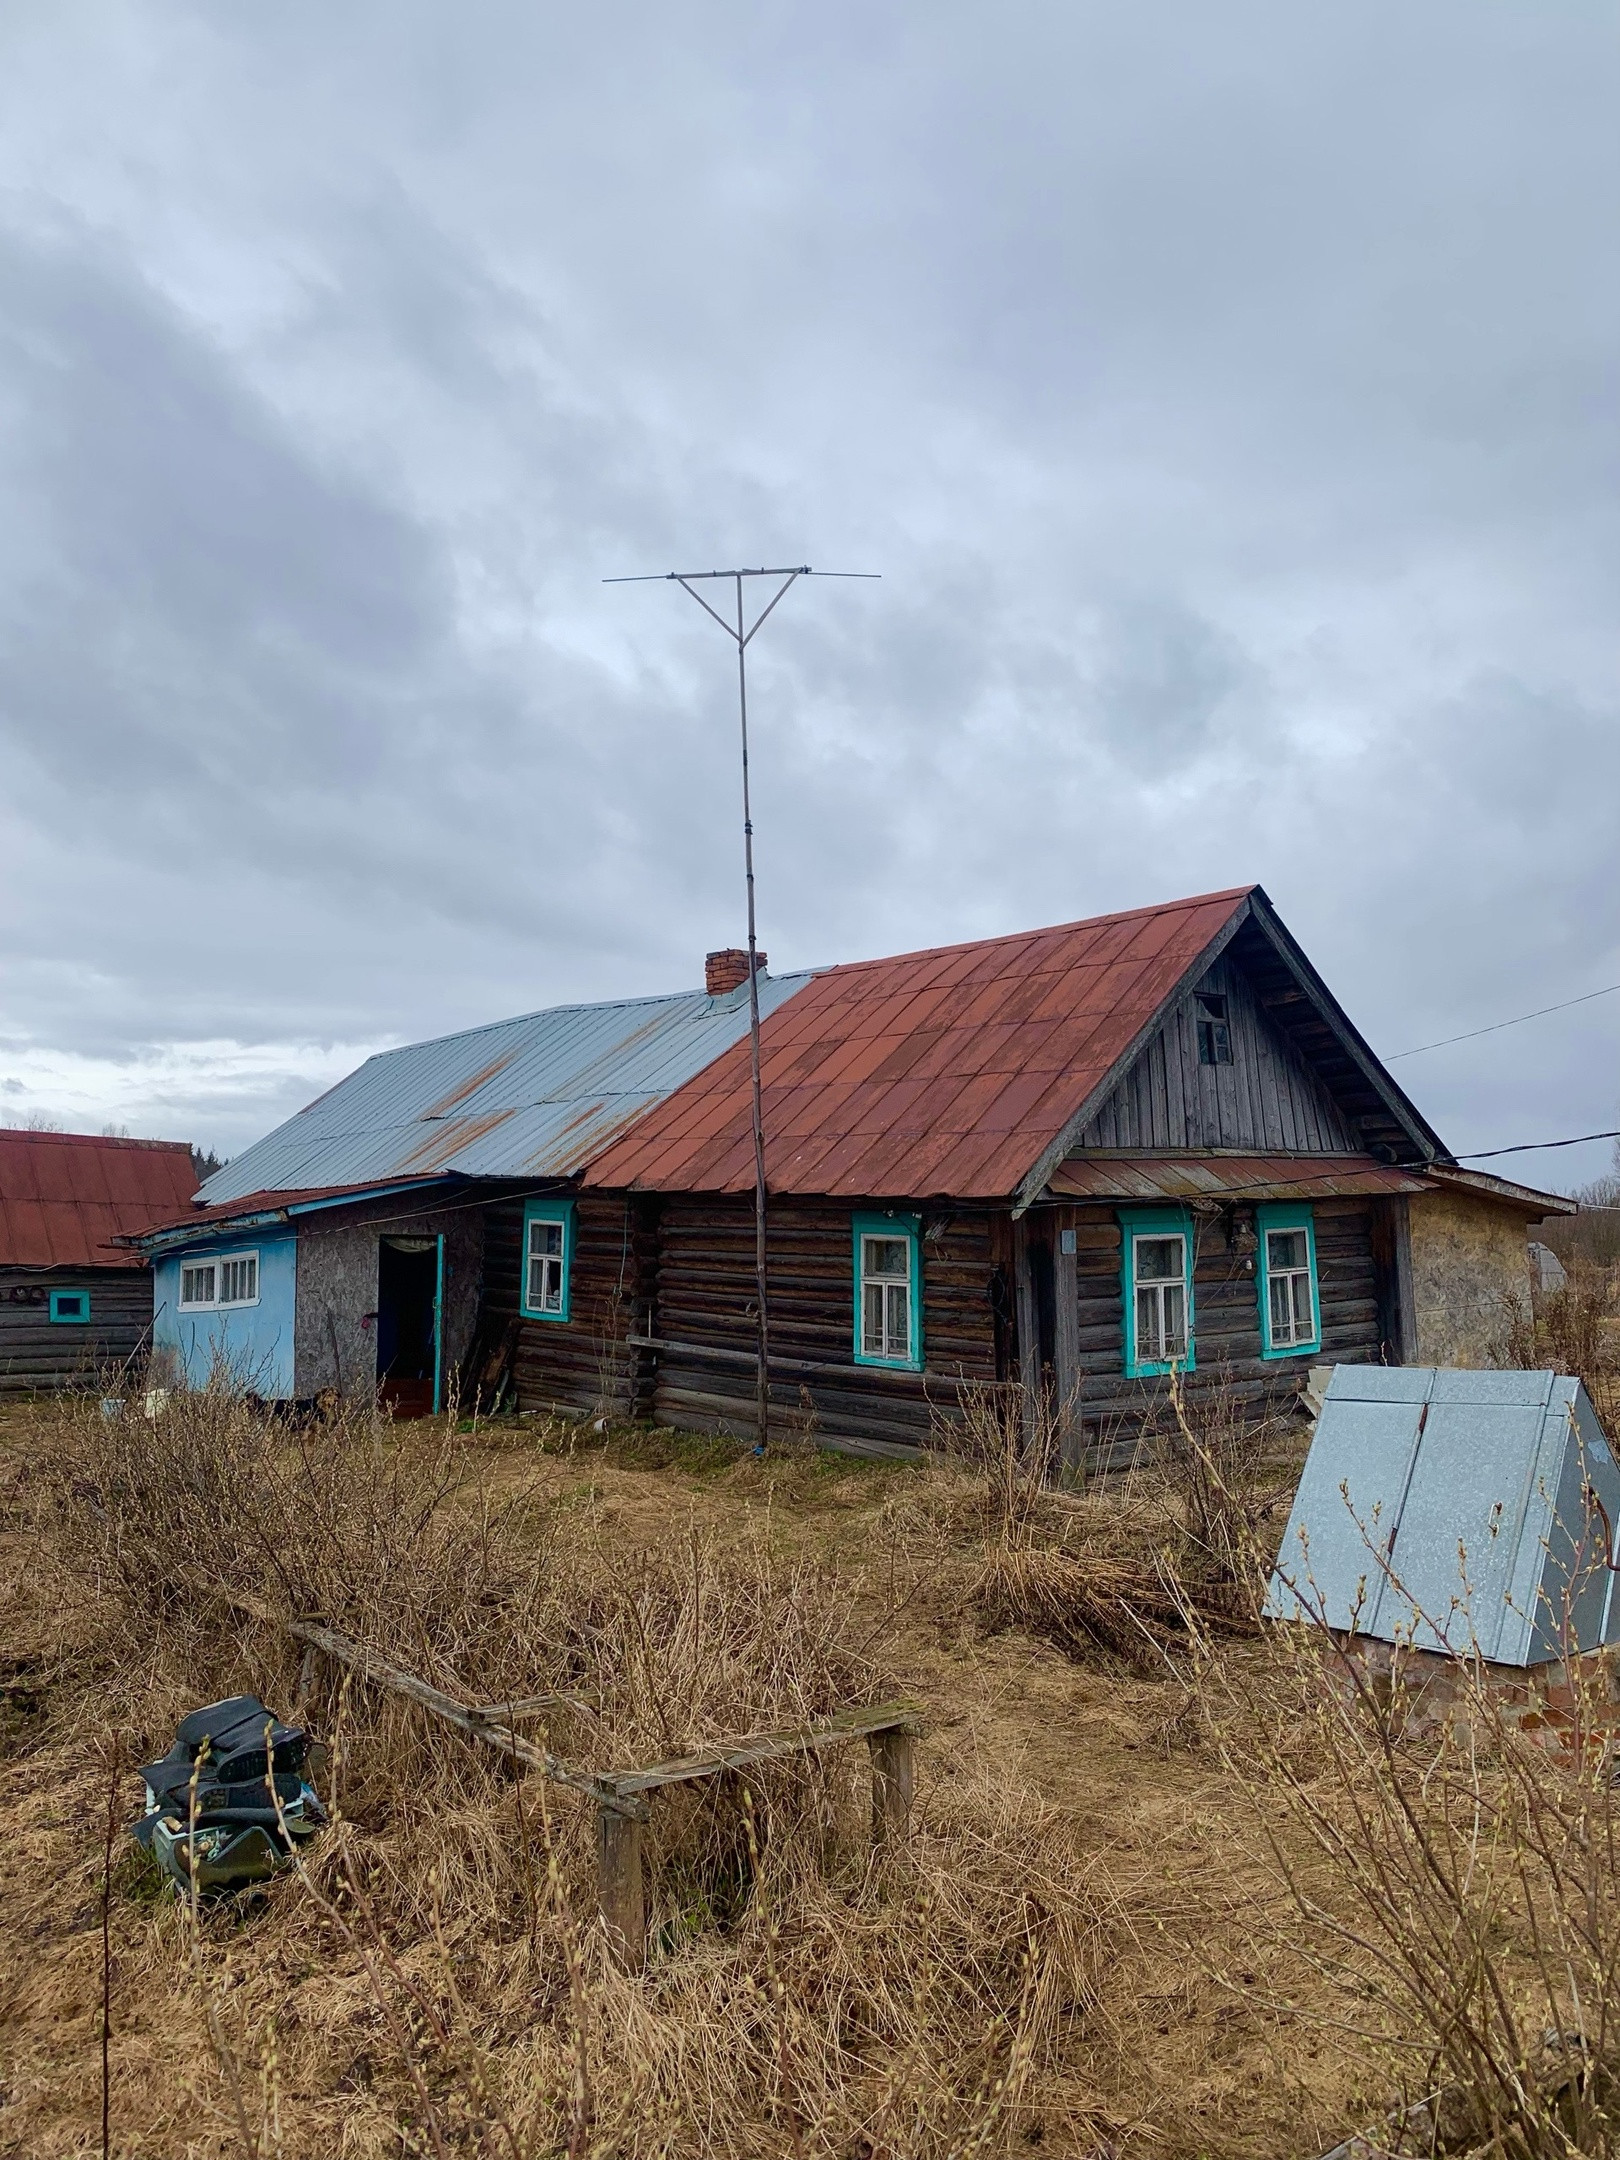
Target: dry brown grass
x,y
437,1982
1127,1575
1123,1925
1455,1883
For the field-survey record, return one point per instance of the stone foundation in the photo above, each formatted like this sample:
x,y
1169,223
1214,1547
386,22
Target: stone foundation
x,y
1543,1701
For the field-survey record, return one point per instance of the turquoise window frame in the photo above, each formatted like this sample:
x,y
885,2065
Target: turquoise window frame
x,y
1286,1215
557,1211
71,1319
1154,1222
438,1317
890,1223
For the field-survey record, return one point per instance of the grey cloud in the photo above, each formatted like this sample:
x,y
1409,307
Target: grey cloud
x,y
1226,396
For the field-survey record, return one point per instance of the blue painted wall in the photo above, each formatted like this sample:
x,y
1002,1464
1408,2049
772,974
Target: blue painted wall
x,y
254,1343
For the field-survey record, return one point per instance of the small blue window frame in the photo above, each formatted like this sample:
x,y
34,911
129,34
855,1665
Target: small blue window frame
x,y
1154,1222
1286,1215
890,1223
554,1211
71,1319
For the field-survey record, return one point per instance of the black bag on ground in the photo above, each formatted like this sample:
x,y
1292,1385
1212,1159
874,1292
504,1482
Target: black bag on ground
x,y
209,1804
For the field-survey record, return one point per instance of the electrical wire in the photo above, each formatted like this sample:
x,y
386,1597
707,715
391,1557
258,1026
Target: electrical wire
x,y
1496,1025
1526,1147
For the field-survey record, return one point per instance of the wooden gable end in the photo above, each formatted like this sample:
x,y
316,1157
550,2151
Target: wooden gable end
x,y
1268,1098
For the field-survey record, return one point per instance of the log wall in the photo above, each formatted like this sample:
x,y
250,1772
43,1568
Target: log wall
x,y
584,1362
1114,1410
680,1273
41,1354
662,1317
705,1302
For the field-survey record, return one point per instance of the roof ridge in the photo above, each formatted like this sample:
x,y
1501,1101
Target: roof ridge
x,y
549,1012
1233,893
88,1139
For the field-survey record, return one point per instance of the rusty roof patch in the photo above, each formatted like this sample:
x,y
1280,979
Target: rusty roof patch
x,y
453,1135
469,1086
1026,1027
1128,1177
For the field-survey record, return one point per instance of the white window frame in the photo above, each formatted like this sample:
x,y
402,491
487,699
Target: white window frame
x,y
1143,1361
217,1263
249,1253
199,1304
1284,1221
558,1214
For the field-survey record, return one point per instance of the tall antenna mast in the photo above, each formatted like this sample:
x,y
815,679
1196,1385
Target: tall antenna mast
x,y
742,635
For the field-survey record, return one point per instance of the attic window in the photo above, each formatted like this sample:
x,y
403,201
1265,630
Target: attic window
x,y
1214,1029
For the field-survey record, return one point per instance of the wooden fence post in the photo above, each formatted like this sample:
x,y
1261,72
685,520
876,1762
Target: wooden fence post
x,y
620,1892
892,1774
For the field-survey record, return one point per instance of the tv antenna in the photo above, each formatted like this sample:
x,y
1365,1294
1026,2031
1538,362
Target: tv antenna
x,y
742,635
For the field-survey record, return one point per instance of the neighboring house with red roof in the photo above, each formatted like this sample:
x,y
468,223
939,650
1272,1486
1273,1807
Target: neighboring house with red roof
x,y
73,1303
1080,1157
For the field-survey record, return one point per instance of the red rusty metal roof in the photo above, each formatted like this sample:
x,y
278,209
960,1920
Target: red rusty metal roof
x,y
207,1219
1226,1177
942,1072
65,1196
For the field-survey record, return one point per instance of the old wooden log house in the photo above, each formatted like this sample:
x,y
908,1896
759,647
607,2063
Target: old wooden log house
x,y
76,1304
1076,1159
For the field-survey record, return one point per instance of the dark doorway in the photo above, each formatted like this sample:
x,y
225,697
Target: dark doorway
x,y
408,1325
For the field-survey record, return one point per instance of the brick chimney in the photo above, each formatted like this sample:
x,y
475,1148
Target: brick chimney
x,y
728,970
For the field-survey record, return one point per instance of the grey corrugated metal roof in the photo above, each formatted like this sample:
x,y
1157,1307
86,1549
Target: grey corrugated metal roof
x,y
1450,1510
532,1097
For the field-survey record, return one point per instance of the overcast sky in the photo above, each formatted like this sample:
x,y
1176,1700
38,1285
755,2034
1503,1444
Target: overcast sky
x,y
1227,395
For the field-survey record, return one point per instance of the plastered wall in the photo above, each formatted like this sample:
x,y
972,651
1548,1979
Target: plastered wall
x,y
1468,1258
336,1340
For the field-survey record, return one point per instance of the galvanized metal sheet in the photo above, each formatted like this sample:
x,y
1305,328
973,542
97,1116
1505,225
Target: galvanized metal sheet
x,y
532,1097
1380,1383
1454,1511
1330,1565
1461,1526
1522,1389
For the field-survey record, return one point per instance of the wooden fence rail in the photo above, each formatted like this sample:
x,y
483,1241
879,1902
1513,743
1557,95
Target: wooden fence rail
x,y
887,1728
623,1797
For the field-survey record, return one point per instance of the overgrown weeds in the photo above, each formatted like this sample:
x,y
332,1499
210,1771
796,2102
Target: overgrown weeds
x,y
434,1978
1118,1576
1453,1869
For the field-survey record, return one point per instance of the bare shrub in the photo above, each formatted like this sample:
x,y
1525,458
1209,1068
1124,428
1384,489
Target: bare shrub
x,y
434,1978
1113,1575
1571,1330
1453,1877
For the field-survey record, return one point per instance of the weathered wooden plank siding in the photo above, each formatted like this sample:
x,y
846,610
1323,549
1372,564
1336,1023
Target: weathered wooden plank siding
x,y
1266,1097
41,1354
